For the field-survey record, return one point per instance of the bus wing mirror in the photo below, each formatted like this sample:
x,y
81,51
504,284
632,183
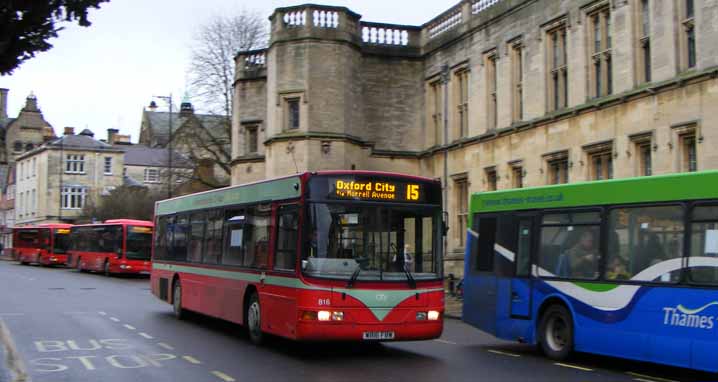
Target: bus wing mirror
x,y
305,264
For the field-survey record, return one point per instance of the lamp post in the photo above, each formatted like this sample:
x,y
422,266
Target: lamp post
x,y
153,106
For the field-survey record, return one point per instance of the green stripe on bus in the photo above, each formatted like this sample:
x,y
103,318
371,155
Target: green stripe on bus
x,y
380,302
595,287
280,189
674,187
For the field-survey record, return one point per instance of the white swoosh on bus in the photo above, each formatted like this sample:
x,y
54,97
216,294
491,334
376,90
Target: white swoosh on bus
x,y
618,298
685,310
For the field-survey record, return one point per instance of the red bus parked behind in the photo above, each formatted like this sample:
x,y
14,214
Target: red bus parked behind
x,y
44,244
113,247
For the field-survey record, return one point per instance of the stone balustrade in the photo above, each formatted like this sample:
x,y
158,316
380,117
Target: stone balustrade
x,y
382,34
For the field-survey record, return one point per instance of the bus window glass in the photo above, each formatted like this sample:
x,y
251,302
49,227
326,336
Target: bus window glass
x,y
234,246
255,237
640,242
196,237
139,242
28,239
703,262
287,236
523,254
161,238
483,251
61,242
383,243
213,237
570,246
180,231
109,239
506,245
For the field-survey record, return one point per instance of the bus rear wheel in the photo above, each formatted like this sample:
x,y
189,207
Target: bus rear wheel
x,y
556,333
254,320
107,268
79,265
177,300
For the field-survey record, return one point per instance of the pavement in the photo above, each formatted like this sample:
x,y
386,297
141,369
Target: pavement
x,y
453,306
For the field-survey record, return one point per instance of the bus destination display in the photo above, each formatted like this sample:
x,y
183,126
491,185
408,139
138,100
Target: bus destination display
x,y
375,190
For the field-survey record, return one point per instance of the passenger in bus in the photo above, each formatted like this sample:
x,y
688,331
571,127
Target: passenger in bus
x,y
618,269
581,260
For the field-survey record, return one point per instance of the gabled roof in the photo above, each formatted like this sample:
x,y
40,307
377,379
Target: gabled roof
x,y
76,142
160,122
140,155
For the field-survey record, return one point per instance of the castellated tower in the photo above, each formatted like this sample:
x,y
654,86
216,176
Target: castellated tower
x,y
330,92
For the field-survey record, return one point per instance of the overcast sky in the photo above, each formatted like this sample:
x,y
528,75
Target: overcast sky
x,y
102,76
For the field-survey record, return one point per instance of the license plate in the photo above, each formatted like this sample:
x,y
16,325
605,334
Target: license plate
x,y
378,335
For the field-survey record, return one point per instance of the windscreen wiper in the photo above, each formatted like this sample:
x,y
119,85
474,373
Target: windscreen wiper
x,y
409,277
354,277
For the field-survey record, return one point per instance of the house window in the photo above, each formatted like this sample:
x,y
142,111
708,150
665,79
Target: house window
x,y
33,200
688,153
643,24
152,175
75,164
292,113
688,34
558,74
29,147
517,176
517,74
73,197
17,146
557,168
251,139
645,162
491,179
108,165
601,165
462,102
34,167
491,88
436,115
462,202
600,69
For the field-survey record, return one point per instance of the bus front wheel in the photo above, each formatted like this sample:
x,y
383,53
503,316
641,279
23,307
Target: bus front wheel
x,y
107,268
254,320
556,333
177,300
79,265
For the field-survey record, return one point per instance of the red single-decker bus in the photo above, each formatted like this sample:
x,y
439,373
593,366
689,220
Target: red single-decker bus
x,y
119,246
44,244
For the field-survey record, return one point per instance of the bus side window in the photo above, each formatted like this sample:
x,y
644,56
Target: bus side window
x,y
287,235
161,239
505,246
196,237
523,254
484,249
704,245
233,253
179,244
256,237
213,237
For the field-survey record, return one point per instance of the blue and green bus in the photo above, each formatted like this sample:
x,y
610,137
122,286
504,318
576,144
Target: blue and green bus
x,y
625,268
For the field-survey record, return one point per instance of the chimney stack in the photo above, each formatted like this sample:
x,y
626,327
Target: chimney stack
x,y
69,130
111,133
3,104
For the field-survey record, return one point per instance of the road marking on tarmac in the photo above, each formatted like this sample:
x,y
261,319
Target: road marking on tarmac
x,y
115,319
223,376
573,366
102,313
12,314
445,342
191,359
503,353
653,379
143,334
129,327
164,345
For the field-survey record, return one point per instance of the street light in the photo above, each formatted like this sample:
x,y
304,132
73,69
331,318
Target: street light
x,y
153,106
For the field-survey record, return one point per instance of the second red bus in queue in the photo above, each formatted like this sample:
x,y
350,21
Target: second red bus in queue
x,y
119,246
44,244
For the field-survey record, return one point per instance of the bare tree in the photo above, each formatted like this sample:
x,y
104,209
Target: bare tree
x,y
211,78
122,203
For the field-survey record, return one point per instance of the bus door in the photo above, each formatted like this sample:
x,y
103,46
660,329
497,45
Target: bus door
x,y
521,283
480,281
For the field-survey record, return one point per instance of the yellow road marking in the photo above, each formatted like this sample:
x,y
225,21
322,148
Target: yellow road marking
x,y
164,345
191,359
503,353
650,377
129,327
445,342
223,376
573,366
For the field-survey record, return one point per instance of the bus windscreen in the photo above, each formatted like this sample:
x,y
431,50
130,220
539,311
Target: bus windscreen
x,y
139,243
61,241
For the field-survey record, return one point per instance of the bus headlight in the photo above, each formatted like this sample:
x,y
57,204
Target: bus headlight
x,y
337,316
421,316
323,315
433,315
125,266
308,315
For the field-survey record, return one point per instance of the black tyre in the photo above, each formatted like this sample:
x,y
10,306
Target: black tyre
x,y
177,300
24,262
79,265
106,269
556,333
254,320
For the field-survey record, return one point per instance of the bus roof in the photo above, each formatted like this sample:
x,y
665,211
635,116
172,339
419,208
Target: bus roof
x,y
661,188
55,225
130,222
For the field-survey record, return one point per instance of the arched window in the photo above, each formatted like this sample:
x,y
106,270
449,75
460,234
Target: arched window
x,y
29,147
18,146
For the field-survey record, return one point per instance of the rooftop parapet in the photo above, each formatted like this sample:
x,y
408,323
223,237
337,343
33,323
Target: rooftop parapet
x,y
458,19
251,64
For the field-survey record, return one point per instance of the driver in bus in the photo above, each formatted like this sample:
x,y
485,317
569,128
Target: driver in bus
x,y
583,256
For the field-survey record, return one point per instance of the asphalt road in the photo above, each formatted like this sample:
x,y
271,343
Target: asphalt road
x,y
71,326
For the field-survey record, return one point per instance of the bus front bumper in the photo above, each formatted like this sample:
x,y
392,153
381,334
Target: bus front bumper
x,y
349,331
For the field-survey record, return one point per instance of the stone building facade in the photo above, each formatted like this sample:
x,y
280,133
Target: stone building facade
x,y
491,94
56,180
